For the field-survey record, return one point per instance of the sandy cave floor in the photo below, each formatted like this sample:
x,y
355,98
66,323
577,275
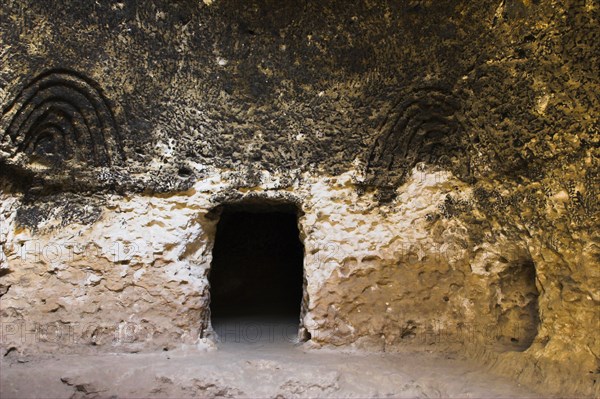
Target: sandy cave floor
x,y
264,366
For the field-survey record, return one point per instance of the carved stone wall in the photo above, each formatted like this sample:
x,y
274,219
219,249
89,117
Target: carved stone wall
x,y
444,156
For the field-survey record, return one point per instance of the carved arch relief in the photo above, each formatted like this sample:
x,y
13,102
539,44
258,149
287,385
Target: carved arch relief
x,y
422,127
60,120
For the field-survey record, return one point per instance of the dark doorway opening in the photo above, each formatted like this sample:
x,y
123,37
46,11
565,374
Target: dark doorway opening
x,y
257,269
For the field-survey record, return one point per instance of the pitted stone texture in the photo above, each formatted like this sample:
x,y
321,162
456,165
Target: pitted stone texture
x,y
377,276
296,98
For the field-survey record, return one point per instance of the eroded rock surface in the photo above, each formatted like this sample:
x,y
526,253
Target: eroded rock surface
x,y
442,156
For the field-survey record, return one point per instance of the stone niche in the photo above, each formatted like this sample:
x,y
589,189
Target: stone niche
x,y
428,171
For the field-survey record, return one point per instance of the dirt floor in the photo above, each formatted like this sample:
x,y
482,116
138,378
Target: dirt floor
x,y
258,361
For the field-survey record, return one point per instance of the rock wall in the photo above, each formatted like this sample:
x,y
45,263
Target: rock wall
x,y
443,157
377,276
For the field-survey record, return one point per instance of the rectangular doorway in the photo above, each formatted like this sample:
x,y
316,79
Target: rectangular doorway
x,y
256,277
